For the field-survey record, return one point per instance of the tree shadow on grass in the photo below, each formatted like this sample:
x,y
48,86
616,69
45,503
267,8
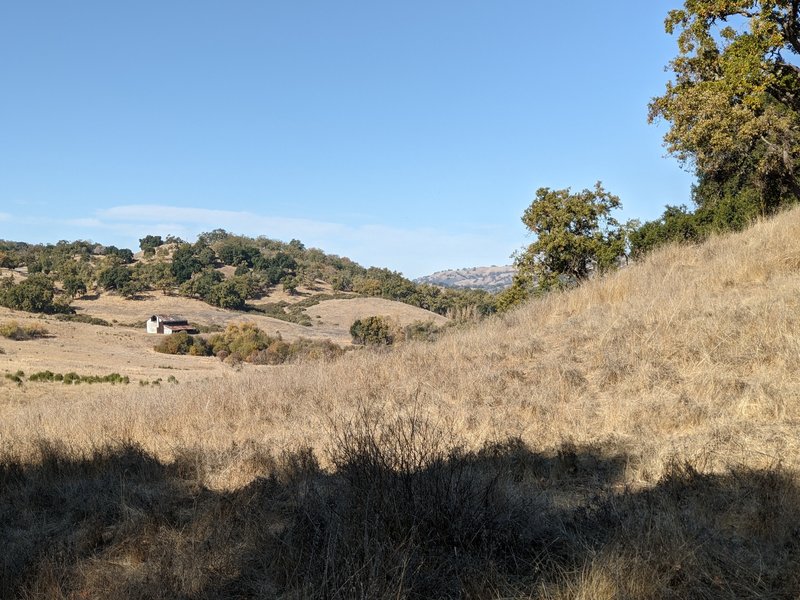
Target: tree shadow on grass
x,y
401,515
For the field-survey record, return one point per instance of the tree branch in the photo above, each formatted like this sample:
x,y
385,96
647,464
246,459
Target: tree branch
x,y
789,27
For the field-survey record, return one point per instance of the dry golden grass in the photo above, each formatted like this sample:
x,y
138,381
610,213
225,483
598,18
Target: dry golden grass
x,y
690,357
126,347
695,352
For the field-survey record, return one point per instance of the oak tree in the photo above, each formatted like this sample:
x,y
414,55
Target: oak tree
x,y
575,236
733,105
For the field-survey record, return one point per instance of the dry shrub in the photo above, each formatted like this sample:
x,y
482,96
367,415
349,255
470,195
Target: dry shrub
x,y
693,535
410,514
405,513
29,331
183,343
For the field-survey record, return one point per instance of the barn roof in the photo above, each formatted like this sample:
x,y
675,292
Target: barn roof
x,y
167,319
180,327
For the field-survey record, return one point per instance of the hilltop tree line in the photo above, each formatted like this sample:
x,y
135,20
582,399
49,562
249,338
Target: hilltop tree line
x,y
60,272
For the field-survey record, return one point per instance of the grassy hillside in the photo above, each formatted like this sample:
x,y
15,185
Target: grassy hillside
x,y
634,438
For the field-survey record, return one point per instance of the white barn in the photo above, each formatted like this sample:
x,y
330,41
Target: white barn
x,y
168,324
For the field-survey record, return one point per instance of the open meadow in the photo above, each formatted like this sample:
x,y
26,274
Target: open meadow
x,y
636,437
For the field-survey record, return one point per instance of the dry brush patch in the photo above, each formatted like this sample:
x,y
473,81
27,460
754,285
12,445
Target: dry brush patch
x,y
404,511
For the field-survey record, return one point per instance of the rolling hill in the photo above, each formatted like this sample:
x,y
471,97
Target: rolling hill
x,y
491,279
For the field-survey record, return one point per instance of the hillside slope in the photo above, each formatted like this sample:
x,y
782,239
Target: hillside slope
x,y
695,344
491,279
647,424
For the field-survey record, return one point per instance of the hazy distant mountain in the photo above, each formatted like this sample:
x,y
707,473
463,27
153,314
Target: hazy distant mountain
x,y
491,279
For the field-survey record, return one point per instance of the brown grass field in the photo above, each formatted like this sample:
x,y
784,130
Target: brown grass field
x,y
637,437
126,348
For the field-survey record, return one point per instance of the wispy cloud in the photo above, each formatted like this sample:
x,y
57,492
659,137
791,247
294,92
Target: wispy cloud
x,y
204,218
85,222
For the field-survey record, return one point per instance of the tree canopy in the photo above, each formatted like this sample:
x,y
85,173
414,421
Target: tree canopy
x,y
34,294
575,235
734,103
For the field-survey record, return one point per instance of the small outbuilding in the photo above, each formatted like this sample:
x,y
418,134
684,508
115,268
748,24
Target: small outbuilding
x,y
168,324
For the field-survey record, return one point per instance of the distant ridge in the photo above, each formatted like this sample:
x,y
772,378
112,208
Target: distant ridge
x,y
491,279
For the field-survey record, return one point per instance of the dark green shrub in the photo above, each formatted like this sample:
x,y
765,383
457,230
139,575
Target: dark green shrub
x,y
15,377
73,378
87,319
372,331
183,343
42,376
677,225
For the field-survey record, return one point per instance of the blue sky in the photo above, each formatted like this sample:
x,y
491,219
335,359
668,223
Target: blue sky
x,y
410,135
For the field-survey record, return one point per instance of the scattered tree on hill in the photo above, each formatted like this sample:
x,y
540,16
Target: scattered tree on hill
x,y
204,254
290,285
263,261
74,285
575,236
677,224
276,268
734,105
230,294
114,277
201,284
342,283
185,263
34,294
8,260
155,275
235,251
125,255
209,237
149,243
76,276
518,292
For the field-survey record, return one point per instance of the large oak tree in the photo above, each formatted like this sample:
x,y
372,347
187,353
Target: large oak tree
x,y
734,103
